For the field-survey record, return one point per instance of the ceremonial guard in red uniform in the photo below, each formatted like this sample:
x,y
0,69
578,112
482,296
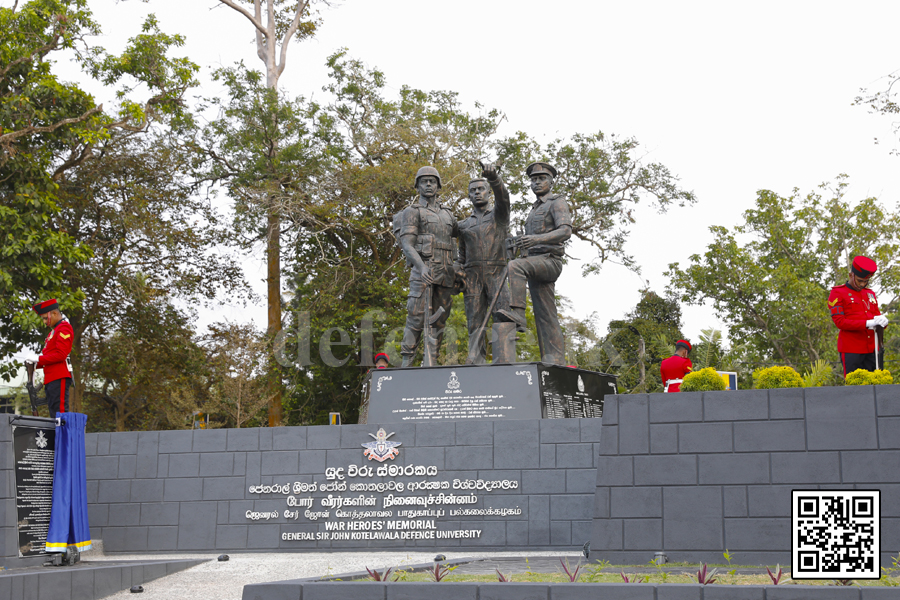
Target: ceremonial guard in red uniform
x,y
54,358
854,309
673,369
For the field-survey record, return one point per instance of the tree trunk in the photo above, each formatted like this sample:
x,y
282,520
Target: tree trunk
x,y
642,351
273,256
120,416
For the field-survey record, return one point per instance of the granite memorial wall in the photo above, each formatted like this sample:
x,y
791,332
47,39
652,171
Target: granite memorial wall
x,y
488,484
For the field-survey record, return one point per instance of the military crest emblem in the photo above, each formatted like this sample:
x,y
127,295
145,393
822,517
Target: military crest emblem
x,y
580,384
453,384
40,441
381,449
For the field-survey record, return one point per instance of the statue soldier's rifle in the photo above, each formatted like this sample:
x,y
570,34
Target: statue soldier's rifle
x,y
511,252
33,389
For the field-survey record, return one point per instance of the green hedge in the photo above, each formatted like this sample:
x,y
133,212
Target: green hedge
x,y
777,377
863,377
704,380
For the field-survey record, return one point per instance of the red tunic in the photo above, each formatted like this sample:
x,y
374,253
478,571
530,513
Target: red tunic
x,y
850,309
675,367
56,350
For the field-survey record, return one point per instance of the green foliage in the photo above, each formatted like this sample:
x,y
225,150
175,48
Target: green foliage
x,y
603,179
777,377
768,278
863,377
704,380
889,575
655,323
818,375
49,129
134,368
593,572
709,351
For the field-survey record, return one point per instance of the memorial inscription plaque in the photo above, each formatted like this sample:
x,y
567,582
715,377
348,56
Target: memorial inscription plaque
x,y
463,392
34,449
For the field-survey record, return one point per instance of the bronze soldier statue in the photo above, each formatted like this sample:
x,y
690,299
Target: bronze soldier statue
x,y
547,228
482,252
425,231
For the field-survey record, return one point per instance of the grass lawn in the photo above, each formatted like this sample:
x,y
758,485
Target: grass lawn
x,y
672,573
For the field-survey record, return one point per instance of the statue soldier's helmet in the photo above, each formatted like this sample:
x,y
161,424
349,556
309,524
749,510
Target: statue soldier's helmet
x,y
540,168
428,171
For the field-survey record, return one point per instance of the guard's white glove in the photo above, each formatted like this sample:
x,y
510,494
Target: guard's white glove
x,y
31,357
875,321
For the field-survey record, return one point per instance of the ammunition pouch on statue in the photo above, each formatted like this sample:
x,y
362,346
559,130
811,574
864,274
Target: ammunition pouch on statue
x,y
425,245
429,247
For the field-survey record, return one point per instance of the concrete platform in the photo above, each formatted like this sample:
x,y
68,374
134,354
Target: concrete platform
x,y
87,580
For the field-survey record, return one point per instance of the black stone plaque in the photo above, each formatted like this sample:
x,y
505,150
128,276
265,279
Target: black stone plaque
x,y
34,449
573,393
494,391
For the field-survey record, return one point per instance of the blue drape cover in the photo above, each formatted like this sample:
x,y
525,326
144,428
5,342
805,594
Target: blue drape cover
x,y
69,513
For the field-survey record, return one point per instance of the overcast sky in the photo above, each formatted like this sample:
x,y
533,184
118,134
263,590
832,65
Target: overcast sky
x,y
732,97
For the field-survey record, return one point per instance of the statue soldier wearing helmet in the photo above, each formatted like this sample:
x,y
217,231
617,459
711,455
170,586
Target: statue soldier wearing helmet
x,y
547,228
425,232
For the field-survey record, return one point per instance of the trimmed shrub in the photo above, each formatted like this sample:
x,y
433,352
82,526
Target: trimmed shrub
x,y
777,377
863,377
704,380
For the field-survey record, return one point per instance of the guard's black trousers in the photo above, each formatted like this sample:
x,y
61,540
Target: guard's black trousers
x,y
865,361
58,395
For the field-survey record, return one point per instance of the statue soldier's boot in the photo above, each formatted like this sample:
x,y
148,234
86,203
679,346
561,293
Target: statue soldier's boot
x,y
408,345
515,315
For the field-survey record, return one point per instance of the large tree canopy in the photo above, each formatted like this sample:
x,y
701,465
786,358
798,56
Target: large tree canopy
x,y
768,278
49,128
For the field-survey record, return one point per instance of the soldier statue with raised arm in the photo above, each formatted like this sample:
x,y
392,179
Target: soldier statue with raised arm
x,y
482,252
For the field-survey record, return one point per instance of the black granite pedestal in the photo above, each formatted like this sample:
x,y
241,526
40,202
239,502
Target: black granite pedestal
x,y
495,391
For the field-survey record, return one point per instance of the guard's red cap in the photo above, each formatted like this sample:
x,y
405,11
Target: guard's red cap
x,y
42,308
684,344
382,355
863,266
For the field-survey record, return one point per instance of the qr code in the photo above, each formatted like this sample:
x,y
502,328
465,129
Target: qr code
x,y
836,534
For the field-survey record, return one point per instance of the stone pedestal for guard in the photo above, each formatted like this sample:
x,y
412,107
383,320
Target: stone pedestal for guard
x,y
494,391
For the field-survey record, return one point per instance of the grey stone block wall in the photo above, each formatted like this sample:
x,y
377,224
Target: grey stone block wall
x,y
694,474
309,590
189,490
